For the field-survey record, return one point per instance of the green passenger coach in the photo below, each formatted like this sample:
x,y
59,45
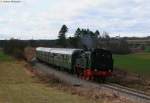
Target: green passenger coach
x,y
63,58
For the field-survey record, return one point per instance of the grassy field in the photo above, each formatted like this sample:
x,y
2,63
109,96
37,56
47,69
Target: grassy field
x,y
4,57
16,86
139,63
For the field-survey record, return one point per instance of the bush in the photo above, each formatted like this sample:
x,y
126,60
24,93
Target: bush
x,y
15,48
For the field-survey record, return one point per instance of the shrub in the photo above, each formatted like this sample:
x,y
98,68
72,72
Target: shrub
x,y
15,47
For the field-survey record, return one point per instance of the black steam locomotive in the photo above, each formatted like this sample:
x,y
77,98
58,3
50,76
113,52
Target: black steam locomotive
x,y
90,64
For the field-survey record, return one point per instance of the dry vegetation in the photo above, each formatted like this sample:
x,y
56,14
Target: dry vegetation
x,y
19,86
131,80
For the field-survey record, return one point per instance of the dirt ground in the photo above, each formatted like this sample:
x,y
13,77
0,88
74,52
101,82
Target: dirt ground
x,y
131,80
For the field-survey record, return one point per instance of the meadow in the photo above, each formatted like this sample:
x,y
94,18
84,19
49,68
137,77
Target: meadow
x,y
17,86
138,63
4,57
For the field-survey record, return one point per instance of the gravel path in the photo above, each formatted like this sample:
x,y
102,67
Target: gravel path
x,y
63,76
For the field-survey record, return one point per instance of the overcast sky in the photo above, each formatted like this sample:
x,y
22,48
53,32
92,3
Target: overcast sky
x,y
42,19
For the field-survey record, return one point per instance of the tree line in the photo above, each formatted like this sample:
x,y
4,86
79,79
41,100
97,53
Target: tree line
x,y
87,39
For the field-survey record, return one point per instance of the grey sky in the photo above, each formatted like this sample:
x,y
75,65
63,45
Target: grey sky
x,y
42,19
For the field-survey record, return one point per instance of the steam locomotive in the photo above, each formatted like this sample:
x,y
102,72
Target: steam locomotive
x,y
89,64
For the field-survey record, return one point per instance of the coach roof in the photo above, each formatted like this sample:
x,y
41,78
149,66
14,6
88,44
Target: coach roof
x,y
43,49
58,50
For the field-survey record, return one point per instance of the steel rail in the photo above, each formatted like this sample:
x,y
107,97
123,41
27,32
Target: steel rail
x,y
132,94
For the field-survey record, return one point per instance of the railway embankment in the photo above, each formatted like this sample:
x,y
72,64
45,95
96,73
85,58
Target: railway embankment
x,y
118,92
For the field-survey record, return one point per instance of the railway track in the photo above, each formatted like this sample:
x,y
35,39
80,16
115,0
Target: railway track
x,y
134,95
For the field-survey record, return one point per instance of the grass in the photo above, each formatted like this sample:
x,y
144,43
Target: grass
x,y
147,49
138,63
16,86
4,57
